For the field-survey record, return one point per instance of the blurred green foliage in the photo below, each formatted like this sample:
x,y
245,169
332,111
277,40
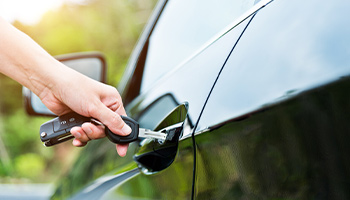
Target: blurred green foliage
x,y
29,162
109,26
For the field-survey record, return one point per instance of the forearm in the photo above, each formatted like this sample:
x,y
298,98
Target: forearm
x,y
59,87
24,60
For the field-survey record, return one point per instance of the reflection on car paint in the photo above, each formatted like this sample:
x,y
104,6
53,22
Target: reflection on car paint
x,y
295,150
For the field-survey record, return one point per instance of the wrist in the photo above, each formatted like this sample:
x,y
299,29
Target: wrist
x,y
43,74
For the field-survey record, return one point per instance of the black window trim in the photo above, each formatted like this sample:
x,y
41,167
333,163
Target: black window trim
x,y
129,86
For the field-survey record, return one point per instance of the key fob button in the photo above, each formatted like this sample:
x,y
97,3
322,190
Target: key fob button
x,y
72,120
60,124
76,120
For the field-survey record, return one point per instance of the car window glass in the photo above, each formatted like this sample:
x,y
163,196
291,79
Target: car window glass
x,y
183,28
157,111
289,54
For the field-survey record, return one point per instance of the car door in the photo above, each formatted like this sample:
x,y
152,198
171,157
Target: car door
x,y
173,68
277,123
188,81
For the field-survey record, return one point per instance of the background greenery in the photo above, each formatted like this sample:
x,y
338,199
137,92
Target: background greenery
x,y
109,26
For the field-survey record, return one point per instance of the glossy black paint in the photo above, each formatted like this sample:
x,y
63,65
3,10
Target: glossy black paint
x,y
101,187
174,182
275,127
279,116
298,149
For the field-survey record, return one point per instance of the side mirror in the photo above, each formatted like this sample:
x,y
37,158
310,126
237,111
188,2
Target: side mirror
x,y
91,64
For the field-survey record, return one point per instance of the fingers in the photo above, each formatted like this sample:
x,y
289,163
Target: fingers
x,y
78,143
122,149
86,132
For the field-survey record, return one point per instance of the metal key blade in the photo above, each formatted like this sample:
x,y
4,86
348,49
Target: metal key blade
x,y
58,140
146,133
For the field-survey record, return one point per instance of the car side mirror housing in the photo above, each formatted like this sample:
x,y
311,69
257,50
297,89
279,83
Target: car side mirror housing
x,y
91,64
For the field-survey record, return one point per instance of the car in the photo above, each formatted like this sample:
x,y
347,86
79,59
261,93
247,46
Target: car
x,y
260,90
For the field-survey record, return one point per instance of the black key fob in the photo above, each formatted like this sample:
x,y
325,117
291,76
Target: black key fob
x,y
58,129
124,139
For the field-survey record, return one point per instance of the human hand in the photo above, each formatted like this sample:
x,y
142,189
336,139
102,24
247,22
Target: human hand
x,y
60,88
78,93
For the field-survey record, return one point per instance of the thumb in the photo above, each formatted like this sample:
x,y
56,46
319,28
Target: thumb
x,y
112,120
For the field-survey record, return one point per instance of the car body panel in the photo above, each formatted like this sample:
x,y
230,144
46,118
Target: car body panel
x,y
281,128
174,182
280,88
297,149
177,179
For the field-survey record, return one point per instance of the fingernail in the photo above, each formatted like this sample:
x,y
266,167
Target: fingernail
x,y
122,151
77,135
75,142
88,131
126,129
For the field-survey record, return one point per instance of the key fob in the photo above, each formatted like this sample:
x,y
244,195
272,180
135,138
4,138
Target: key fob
x,y
58,129
124,139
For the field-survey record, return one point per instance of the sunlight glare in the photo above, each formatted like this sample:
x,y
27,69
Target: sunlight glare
x,y
28,11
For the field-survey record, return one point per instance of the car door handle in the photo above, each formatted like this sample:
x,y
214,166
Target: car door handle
x,y
153,156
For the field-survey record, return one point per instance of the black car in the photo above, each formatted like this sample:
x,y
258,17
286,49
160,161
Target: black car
x,y
261,90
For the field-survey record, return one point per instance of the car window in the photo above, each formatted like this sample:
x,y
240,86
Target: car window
x,y
183,28
290,55
157,112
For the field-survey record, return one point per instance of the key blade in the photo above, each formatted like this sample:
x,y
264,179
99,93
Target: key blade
x,y
58,140
96,122
146,133
172,127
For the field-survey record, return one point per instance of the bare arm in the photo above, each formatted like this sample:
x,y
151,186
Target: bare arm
x,y
60,88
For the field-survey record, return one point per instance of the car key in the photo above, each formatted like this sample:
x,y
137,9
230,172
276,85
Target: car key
x,y
58,129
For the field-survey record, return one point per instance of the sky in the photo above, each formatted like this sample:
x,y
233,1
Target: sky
x,y
28,11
